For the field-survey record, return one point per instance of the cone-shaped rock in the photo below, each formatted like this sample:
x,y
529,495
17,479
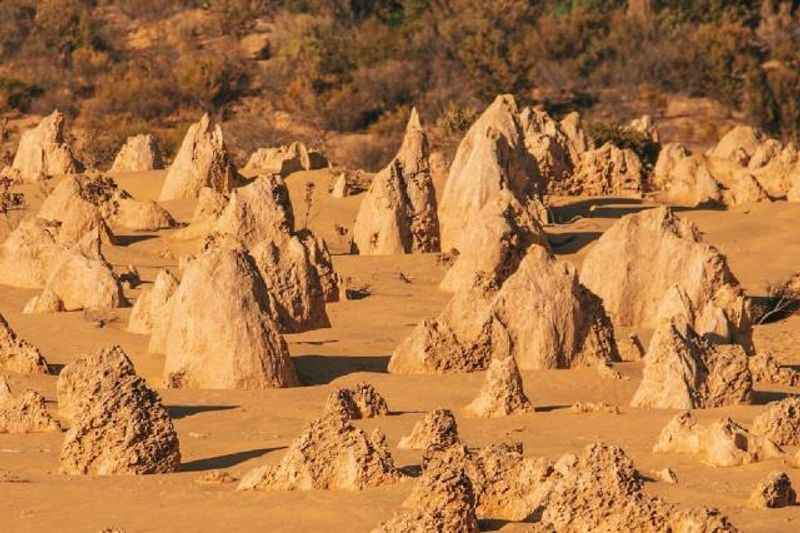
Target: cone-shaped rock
x,y
398,213
221,334
29,254
774,492
152,302
361,401
43,151
633,265
541,316
437,429
17,354
25,413
138,154
502,393
202,161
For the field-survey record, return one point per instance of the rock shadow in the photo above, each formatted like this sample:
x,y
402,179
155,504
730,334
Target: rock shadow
x,y
762,397
225,461
571,242
176,412
127,240
322,369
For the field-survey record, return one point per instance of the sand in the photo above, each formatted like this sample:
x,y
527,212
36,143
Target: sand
x,y
235,431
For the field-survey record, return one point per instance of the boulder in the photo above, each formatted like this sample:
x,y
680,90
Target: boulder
x,y
684,371
150,307
398,213
138,215
780,422
26,413
690,183
670,155
221,334
541,316
285,160
120,425
79,204
642,256
492,157
18,355
502,393
739,144
504,230
774,492
202,161
606,171
43,151
550,146
331,453
766,369
437,429
29,254
722,443
138,154
361,401
81,279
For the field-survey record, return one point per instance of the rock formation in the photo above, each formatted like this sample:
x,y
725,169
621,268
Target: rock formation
x,y
437,429
29,254
44,152
81,279
26,413
668,158
202,161
398,213
684,371
361,401
607,170
138,154
503,231
722,443
119,424
780,422
541,316
152,304
221,334
18,355
642,256
492,157
285,160
765,368
738,144
774,492
502,393
645,126
331,453
138,215
341,187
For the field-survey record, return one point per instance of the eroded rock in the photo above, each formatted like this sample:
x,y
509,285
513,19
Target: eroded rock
x,y
437,429
44,152
153,303
780,422
139,154
502,393
774,492
17,354
361,401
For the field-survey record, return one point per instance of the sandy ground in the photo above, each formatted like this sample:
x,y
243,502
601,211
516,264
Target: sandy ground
x,y
235,430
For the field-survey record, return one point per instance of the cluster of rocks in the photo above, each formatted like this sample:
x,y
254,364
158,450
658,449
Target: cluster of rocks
x,y
285,160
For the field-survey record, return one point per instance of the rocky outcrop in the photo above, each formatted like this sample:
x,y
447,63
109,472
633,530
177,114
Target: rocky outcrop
x,y
138,154
119,424
29,254
331,453
774,492
221,334
541,316
643,256
43,151
491,158
361,401
152,305
18,355
25,413
398,213
670,155
780,422
502,393
138,215
605,171
684,371
285,160
202,161
739,144
722,443
493,249
766,369
438,429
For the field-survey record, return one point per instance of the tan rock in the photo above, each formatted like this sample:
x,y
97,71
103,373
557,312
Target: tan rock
x,y
331,453
780,422
550,146
152,303
361,401
684,371
607,170
691,183
774,492
668,158
492,157
722,443
120,425
667,475
44,152
81,279
578,140
594,407
502,393
139,154
398,213
5,389
141,216
79,203
437,429
26,413
17,354
646,126
341,187
766,369
221,334
285,160
738,144
202,161
641,257
29,254
504,230
541,316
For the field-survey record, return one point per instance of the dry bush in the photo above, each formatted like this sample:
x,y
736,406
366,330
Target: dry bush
x,y
782,301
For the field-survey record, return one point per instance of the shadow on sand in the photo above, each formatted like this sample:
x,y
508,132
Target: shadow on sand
x,y
176,412
762,397
322,369
225,461
571,242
